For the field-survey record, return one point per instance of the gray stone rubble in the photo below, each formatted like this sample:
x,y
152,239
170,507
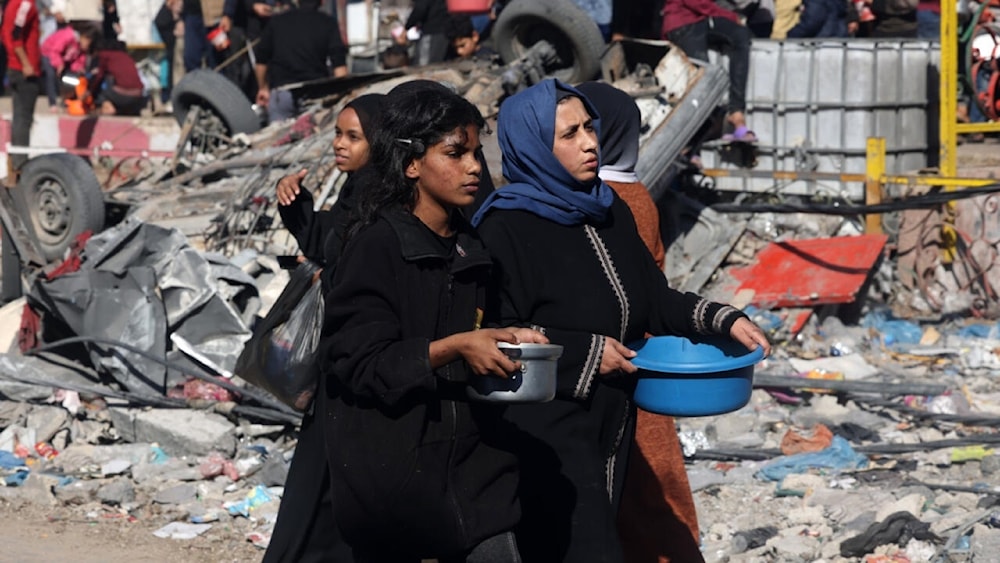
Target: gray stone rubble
x,y
932,457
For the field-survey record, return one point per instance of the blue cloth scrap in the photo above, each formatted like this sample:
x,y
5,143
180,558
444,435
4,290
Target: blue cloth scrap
x,y
16,479
158,456
978,330
9,461
838,456
893,331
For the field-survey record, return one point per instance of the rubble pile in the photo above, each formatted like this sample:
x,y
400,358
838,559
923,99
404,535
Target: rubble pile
x,y
177,472
874,442
867,440
860,443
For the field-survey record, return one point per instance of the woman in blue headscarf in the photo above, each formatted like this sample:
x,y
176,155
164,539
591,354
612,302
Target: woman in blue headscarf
x,y
571,264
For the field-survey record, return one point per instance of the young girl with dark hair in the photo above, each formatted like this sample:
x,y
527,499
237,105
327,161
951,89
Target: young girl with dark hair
x,y
320,234
306,529
414,466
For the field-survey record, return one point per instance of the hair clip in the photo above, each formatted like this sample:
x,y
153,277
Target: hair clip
x,y
416,145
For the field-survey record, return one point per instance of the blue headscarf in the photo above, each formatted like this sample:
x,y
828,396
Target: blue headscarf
x,y
539,183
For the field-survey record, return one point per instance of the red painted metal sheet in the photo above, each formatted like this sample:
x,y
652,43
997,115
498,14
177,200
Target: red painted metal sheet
x,y
803,273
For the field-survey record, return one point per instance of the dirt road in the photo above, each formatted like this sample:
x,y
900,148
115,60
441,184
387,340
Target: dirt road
x,y
37,534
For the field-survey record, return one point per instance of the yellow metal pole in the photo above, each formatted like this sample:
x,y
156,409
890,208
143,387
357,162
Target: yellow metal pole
x,y
948,90
874,171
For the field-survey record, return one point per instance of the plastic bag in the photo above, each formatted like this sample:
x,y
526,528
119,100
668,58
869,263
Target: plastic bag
x,y
280,356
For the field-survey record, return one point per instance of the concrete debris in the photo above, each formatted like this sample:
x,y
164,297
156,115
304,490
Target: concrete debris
x,y
178,431
932,458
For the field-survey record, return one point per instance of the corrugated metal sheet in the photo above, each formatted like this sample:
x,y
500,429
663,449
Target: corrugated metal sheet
x,y
813,103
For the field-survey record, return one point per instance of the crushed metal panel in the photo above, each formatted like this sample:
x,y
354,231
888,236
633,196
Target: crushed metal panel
x,y
697,239
691,106
810,272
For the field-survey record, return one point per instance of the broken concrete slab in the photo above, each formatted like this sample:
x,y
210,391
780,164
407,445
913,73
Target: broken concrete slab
x,y
173,469
178,431
47,421
77,491
176,494
116,492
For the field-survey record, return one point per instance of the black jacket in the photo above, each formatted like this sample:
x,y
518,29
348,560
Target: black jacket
x,y
320,234
413,467
431,16
307,39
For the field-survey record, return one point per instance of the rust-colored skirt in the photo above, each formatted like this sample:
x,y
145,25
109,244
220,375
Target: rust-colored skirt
x,y
657,521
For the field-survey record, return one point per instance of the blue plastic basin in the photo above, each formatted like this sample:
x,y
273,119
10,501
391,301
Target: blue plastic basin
x,y
683,377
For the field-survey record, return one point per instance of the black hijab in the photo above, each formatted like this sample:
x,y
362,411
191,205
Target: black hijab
x,y
619,134
369,108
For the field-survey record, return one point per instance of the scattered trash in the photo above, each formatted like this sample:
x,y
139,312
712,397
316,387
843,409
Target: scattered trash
x,y
45,450
10,461
217,464
899,529
969,453
752,539
819,438
257,497
691,442
838,457
182,530
205,518
16,479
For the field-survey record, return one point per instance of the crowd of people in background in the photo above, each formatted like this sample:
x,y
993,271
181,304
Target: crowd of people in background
x,y
43,47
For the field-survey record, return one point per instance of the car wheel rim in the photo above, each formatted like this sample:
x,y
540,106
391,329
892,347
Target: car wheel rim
x,y
53,211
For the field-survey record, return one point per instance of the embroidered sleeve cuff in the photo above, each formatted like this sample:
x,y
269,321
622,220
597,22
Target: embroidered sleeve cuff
x,y
590,367
715,318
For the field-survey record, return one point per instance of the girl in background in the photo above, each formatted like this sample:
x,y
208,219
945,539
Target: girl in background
x,y
306,530
61,53
320,234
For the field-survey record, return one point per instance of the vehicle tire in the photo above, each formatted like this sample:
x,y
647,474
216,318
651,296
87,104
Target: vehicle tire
x,y
63,199
578,41
211,90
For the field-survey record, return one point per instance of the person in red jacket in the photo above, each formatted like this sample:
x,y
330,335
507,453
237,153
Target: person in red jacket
x,y
24,63
115,80
697,25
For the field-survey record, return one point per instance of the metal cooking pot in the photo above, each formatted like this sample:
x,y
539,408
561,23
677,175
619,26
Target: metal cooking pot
x,y
534,383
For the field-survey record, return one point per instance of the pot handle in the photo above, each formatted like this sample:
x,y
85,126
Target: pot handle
x,y
512,353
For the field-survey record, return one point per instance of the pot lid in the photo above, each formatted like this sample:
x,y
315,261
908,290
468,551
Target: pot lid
x,y
704,354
